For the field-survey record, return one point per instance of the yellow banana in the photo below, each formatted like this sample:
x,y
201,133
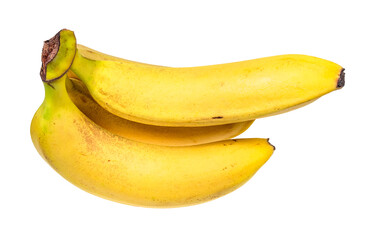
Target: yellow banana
x,y
207,95
135,173
159,135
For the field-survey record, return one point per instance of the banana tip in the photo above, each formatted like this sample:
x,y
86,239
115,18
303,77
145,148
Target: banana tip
x,y
341,79
274,148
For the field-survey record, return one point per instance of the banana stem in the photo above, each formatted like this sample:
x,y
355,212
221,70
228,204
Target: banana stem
x,y
55,92
83,65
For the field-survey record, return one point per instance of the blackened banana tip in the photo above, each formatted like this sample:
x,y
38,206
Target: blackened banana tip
x,y
341,80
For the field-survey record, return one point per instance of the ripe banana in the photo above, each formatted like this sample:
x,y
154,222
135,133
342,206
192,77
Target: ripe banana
x,y
202,96
159,135
135,173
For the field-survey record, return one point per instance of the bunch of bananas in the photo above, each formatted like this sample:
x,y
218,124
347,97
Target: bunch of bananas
x,y
157,136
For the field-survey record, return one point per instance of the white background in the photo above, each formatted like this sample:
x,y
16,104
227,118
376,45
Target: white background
x,y
323,181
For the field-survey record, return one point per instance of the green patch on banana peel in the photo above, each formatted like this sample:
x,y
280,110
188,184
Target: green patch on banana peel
x,y
57,55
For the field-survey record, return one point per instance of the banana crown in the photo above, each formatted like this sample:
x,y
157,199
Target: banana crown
x,y
57,55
